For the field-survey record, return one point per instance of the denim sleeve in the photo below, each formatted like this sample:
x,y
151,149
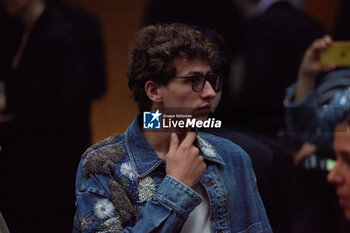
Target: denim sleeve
x,y
166,212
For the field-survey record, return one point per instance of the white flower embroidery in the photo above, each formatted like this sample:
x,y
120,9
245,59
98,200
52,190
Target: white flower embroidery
x,y
147,189
111,225
127,170
104,209
205,147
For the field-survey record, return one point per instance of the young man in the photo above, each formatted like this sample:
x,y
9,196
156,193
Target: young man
x,y
169,180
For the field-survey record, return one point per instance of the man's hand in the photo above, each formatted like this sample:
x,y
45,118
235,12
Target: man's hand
x,y
311,66
183,161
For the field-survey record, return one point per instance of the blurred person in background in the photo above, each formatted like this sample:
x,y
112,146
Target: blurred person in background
x,y
52,67
314,105
340,173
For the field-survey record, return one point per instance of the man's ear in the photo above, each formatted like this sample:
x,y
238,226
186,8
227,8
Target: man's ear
x,y
153,91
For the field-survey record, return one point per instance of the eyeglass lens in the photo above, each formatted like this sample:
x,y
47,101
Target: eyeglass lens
x,y
198,81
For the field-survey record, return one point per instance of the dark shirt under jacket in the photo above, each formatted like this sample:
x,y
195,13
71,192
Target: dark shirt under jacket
x,y
50,94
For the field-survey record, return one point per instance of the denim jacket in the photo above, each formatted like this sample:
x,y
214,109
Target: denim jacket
x,y
314,117
122,186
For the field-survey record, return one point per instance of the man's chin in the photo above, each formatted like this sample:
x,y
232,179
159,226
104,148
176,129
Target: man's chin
x,y
201,114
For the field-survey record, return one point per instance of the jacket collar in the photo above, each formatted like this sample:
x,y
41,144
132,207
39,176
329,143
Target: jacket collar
x,y
144,159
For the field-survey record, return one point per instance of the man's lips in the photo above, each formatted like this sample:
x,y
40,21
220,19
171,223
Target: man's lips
x,y
205,108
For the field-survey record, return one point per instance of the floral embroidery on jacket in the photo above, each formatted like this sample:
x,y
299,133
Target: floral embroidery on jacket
x,y
111,225
205,147
121,201
103,158
104,209
84,222
127,170
147,189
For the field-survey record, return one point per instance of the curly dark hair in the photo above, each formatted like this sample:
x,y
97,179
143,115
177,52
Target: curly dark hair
x,y
151,56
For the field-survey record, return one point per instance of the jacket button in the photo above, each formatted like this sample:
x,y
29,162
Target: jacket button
x,y
209,183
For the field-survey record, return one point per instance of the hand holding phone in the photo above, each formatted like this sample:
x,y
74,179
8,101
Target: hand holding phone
x,y
311,65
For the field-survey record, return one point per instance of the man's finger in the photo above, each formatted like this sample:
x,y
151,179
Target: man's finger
x,y
174,143
329,67
328,39
189,139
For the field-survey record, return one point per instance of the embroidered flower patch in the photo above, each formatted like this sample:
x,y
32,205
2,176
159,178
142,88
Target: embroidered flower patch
x,y
127,170
147,189
104,209
205,147
111,225
85,222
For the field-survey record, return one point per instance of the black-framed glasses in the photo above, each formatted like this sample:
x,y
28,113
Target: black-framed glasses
x,y
198,81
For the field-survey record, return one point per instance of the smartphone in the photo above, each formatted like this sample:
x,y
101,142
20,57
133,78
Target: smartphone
x,y
338,54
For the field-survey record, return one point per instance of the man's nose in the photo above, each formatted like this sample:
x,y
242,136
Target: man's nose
x,y
334,176
208,91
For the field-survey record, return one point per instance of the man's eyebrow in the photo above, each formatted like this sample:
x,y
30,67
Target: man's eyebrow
x,y
197,72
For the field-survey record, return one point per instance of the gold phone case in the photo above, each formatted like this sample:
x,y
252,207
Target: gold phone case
x,y
338,54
